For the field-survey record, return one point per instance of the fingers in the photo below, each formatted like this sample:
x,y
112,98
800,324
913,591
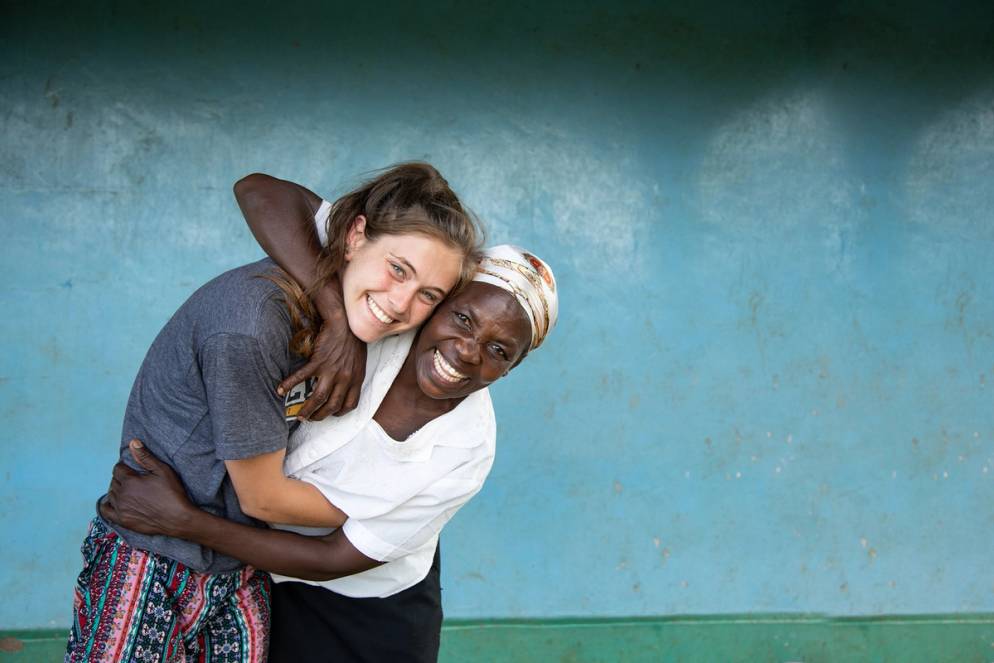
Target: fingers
x,y
313,402
351,400
298,376
107,509
121,472
143,456
333,405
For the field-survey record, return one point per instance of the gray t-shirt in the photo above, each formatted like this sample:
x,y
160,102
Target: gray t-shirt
x,y
206,393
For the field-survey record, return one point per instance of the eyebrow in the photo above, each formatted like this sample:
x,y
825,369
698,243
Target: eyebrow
x,y
506,341
408,264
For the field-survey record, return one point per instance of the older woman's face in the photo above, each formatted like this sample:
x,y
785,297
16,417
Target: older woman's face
x,y
471,340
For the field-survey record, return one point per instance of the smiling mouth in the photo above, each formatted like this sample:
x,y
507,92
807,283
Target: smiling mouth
x,y
378,313
446,371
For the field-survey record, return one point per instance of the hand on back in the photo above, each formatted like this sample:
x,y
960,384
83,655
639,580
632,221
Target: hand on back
x,y
149,502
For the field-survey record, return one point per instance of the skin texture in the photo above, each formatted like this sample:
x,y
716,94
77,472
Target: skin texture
x,y
481,333
281,217
402,277
264,492
482,329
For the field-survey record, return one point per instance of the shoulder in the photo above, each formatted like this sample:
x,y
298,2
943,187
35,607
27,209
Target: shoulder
x,y
243,302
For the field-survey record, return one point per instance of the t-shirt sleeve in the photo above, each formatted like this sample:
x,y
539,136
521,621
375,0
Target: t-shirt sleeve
x,y
410,525
321,222
246,414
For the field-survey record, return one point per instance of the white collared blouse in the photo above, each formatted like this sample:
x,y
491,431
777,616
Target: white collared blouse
x,y
397,494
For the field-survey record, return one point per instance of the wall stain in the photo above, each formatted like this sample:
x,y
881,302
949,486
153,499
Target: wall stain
x,y
51,94
52,350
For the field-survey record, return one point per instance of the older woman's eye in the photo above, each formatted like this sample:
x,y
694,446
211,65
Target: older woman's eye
x,y
463,319
499,351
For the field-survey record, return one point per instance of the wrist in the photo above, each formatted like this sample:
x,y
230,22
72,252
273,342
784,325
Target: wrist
x,y
329,304
185,523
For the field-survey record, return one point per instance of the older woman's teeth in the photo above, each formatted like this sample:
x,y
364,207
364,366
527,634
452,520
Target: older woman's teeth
x,y
445,369
379,313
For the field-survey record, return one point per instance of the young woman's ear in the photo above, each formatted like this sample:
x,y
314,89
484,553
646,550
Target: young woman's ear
x,y
355,237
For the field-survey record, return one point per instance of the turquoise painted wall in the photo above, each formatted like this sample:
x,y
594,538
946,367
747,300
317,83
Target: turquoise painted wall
x,y
771,385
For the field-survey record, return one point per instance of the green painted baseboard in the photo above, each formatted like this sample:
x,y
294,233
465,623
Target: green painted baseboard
x,y
746,638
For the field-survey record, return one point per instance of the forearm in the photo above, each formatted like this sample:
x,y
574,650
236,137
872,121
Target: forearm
x,y
293,502
280,215
285,553
264,492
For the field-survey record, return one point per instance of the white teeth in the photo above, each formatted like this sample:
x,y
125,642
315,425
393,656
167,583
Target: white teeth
x,y
445,369
379,313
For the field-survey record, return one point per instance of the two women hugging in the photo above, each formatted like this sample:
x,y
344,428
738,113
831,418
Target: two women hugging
x,y
383,303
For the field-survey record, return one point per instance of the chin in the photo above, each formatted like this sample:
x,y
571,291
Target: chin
x,y
367,334
432,389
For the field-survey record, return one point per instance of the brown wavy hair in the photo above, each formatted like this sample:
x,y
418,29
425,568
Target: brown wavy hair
x,y
408,198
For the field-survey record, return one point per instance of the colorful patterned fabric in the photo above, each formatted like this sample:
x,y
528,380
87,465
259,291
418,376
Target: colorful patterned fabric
x,y
133,605
529,279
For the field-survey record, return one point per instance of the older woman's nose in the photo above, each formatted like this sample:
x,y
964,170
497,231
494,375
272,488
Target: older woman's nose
x,y
468,349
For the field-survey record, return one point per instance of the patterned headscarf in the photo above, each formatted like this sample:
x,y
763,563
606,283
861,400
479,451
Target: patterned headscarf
x,y
529,279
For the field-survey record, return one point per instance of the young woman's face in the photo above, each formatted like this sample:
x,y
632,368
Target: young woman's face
x,y
473,339
393,284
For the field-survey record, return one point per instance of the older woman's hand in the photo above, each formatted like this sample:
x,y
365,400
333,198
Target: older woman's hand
x,y
338,364
150,502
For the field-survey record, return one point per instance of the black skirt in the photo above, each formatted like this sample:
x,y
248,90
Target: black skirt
x,y
316,624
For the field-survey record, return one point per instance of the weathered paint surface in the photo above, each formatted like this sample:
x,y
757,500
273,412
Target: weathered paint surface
x,y
771,386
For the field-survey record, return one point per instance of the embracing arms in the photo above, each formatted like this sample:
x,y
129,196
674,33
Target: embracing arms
x,y
281,217
265,493
154,502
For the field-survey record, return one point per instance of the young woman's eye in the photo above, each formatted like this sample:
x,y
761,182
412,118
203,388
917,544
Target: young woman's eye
x,y
398,270
429,296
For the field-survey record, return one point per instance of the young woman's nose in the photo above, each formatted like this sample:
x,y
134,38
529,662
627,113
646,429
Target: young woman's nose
x,y
400,299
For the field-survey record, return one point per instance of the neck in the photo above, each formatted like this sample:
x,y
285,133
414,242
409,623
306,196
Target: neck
x,y
406,408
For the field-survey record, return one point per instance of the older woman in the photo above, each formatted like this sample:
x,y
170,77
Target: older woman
x,y
418,445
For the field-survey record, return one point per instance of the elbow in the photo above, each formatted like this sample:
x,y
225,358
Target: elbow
x,y
250,187
259,507
253,509
319,575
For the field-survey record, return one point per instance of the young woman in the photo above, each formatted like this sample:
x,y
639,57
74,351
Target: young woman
x,y
204,401
417,447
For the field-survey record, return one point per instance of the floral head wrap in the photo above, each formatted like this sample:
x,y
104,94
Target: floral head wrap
x,y
529,279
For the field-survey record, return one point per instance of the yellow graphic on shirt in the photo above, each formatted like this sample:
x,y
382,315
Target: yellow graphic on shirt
x,y
294,401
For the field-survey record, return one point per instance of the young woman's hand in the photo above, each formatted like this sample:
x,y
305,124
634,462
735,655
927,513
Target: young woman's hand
x,y
338,364
153,502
